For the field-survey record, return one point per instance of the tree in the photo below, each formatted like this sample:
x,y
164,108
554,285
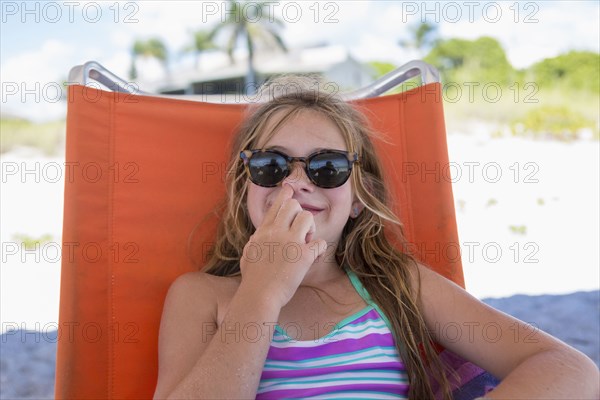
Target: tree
x,y
246,21
423,37
573,70
202,41
152,48
481,60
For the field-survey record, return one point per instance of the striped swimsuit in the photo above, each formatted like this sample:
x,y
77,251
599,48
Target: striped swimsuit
x,y
356,360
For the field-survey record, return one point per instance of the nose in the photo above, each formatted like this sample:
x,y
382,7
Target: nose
x,y
298,179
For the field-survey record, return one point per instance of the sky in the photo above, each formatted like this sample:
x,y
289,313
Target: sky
x,y
41,41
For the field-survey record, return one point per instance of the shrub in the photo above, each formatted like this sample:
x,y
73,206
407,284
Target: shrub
x,y
559,122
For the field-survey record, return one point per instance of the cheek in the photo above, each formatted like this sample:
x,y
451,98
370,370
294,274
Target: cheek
x,y
341,197
256,202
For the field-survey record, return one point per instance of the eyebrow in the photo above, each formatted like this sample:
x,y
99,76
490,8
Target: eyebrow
x,y
284,149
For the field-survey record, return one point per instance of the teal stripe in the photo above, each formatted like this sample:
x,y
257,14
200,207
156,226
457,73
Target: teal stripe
x,y
381,325
359,287
365,370
366,296
340,324
354,316
377,326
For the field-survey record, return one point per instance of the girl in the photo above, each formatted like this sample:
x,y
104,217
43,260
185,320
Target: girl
x,y
305,295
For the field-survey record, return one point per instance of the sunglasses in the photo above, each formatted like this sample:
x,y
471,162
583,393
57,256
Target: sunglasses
x,y
326,168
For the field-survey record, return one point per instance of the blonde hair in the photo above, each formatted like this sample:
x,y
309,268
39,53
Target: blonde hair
x,y
366,243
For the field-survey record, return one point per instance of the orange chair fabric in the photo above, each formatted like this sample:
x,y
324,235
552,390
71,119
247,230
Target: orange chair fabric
x,y
144,171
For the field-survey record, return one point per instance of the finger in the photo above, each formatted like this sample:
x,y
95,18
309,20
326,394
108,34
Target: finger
x,y
304,226
286,192
287,213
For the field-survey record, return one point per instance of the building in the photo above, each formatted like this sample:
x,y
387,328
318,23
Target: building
x,y
334,63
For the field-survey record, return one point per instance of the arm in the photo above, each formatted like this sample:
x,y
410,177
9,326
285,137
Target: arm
x,y
530,363
199,359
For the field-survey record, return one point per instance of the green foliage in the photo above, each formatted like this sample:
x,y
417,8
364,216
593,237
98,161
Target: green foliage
x,y
255,26
481,60
381,68
561,122
202,41
19,132
426,35
29,242
152,48
518,229
555,98
484,60
491,202
576,70
423,36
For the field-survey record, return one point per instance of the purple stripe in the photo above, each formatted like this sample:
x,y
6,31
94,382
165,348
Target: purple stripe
x,y
373,315
319,371
400,389
338,347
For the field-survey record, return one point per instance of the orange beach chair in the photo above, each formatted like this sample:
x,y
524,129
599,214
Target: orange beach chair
x,y
145,172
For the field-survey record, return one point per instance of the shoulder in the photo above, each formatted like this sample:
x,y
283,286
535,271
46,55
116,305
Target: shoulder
x,y
197,290
437,295
423,277
197,279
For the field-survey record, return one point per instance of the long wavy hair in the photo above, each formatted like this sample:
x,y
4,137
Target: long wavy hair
x,y
371,244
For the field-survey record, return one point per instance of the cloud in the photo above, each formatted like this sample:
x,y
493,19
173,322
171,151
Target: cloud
x,y
31,80
173,22
323,22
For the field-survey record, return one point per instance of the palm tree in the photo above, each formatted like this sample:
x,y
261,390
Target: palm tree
x,y
249,23
153,48
202,42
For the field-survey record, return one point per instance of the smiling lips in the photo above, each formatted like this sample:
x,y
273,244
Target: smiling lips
x,y
313,210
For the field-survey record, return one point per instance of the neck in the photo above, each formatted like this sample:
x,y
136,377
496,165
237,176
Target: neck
x,y
324,271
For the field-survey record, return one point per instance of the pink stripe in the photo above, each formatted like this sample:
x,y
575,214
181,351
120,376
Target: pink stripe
x,y
298,373
400,389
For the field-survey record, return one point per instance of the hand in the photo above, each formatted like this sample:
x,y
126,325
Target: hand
x,y
280,252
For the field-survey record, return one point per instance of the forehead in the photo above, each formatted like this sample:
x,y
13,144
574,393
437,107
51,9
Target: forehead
x,y
304,132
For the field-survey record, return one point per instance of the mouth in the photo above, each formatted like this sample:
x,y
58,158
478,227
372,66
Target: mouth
x,y
311,209
306,207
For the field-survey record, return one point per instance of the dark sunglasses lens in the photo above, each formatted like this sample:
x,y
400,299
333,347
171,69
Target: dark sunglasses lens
x,y
329,170
267,169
